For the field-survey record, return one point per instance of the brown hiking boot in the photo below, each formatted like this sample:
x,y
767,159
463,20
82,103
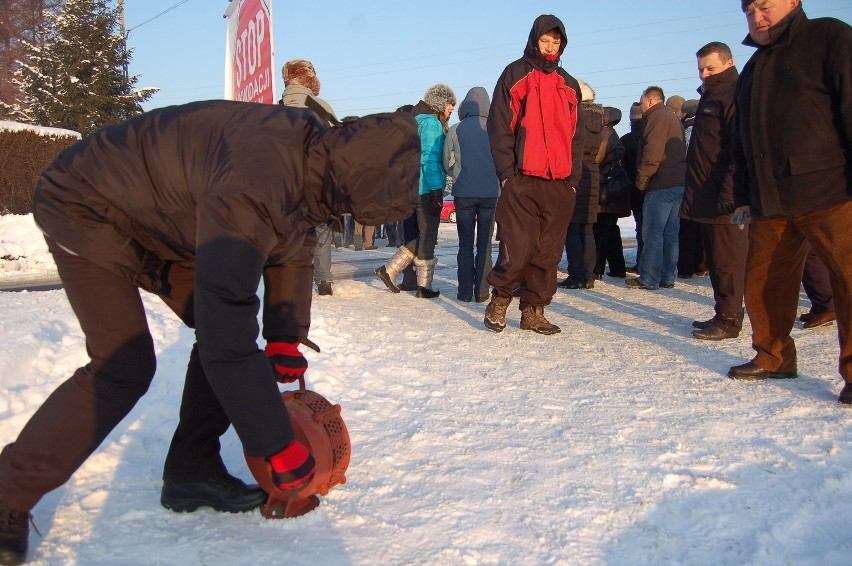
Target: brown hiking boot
x,y
495,313
532,318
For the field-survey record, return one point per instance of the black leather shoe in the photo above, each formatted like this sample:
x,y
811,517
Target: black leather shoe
x,y
14,535
750,371
713,332
223,493
667,285
845,395
702,324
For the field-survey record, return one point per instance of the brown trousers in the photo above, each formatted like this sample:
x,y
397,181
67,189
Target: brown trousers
x,y
82,411
776,260
532,218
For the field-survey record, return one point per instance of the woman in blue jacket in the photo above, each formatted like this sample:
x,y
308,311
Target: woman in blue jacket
x,y
432,114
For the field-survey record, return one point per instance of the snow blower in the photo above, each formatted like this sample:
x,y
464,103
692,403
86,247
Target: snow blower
x,y
318,425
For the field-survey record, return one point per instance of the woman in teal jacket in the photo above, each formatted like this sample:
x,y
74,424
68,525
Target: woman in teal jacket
x,y
432,114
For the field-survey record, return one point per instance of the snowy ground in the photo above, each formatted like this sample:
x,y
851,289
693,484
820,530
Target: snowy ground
x,y
619,441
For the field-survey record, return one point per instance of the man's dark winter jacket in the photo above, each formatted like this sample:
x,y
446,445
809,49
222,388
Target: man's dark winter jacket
x,y
793,148
661,162
534,117
709,163
231,190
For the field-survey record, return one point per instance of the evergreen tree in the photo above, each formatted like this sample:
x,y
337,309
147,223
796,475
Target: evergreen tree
x,y
74,75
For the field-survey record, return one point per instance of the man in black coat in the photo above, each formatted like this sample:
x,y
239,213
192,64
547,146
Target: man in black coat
x,y
197,204
709,199
793,153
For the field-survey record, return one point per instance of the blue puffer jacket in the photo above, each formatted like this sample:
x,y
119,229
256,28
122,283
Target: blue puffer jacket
x,y
433,177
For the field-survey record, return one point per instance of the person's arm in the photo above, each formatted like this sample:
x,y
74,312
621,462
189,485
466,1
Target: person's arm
x,y
500,124
653,150
452,153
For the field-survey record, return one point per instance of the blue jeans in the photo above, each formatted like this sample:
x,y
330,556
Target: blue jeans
x,y
474,220
660,227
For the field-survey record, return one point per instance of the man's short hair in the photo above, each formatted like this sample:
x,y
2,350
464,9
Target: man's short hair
x,y
716,47
654,93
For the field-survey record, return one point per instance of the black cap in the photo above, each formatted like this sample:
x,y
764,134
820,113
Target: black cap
x,y
745,3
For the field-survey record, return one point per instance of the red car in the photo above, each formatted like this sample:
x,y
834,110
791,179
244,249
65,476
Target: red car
x,y
448,211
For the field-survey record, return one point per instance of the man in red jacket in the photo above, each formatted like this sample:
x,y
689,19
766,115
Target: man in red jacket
x,y
793,154
537,149
197,204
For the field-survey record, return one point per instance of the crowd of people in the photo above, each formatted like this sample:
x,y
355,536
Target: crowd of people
x,y
758,168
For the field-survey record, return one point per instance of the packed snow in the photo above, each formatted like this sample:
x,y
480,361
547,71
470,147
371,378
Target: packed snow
x,y
618,441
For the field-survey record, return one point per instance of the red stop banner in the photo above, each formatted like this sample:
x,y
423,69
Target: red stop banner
x,y
249,65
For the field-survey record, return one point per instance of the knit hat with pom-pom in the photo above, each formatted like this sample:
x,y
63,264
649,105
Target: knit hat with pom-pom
x,y
301,72
438,96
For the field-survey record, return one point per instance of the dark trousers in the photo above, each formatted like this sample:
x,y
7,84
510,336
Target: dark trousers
x,y
637,204
580,252
691,253
609,246
428,220
475,226
82,411
774,268
532,218
817,283
727,248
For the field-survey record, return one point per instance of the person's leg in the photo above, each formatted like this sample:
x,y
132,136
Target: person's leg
x,y
465,226
774,266
369,237
615,251
690,253
484,235
590,256
727,247
673,197
654,216
637,206
555,206
574,253
828,233
82,411
322,255
411,233
816,280
601,232
517,214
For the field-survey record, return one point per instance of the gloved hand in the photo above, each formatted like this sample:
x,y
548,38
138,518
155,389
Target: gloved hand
x,y
725,206
293,468
436,202
287,361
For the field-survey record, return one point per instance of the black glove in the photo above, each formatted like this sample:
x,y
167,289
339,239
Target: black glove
x,y
436,202
287,361
725,206
293,468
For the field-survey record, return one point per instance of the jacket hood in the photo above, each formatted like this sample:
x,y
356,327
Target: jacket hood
x,y
532,55
593,117
475,103
611,116
370,168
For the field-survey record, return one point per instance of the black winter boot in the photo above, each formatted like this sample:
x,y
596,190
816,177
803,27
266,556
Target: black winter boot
x,y
14,535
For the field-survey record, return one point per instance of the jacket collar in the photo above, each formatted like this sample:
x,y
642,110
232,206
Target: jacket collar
x,y
779,34
729,75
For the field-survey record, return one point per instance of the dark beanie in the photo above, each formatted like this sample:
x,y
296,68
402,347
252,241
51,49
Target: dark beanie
x,y
745,3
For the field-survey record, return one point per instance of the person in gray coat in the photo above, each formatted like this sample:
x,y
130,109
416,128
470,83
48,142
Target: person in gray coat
x,y
467,158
